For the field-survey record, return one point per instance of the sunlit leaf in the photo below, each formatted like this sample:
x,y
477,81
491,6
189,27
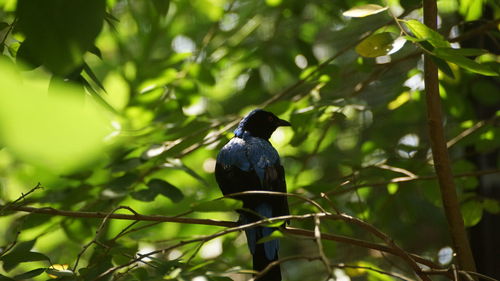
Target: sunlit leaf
x,y
375,45
56,132
462,51
464,62
5,278
421,31
274,235
364,10
399,101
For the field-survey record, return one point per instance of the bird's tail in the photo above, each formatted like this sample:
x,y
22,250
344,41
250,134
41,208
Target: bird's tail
x,y
266,252
261,261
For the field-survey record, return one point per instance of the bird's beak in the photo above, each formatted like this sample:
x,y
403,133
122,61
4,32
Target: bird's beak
x,y
282,123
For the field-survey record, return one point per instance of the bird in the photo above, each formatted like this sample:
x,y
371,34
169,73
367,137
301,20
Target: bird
x,y
249,162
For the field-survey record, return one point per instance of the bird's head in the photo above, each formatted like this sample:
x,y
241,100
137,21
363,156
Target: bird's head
x,y
260,123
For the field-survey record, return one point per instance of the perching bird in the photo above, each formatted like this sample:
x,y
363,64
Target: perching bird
x,y
249,162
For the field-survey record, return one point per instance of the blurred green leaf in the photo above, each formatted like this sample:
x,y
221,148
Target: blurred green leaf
x,y
14,258
30,274
122,183
68,134
5,278
162,6
166,189
3,25
146,195
472,212
61,41
375,45
274,235
492,206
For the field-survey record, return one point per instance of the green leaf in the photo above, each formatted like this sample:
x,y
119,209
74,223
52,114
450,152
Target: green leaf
x,y
27,55
421,31
61,41
364,11
375,45
69,135
465,62
166,189
29,274
145,195
92,76
5,278
96,51
33,220
462,51
472,212
123,182
220,205
275,235
413,39
274,224
126,164
13,259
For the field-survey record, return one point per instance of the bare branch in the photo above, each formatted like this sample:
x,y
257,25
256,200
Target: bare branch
x,y
317,238
22,197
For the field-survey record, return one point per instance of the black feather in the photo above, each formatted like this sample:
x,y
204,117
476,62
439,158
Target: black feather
x,y
249,162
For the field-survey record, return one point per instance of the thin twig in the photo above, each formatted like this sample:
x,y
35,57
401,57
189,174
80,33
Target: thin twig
x,y
22,197
98,231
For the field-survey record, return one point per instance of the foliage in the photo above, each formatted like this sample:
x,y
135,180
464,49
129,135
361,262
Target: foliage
x,y
142,94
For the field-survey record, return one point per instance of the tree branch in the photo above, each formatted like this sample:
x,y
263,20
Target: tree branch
x,y
233,226
440,151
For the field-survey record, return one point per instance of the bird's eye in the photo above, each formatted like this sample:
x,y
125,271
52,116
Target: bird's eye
x,y
270,119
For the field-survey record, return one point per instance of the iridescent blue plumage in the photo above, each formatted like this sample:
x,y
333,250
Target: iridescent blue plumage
x,y
249,162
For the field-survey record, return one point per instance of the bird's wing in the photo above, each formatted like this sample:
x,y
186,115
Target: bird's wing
x,y
252,164
233,171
